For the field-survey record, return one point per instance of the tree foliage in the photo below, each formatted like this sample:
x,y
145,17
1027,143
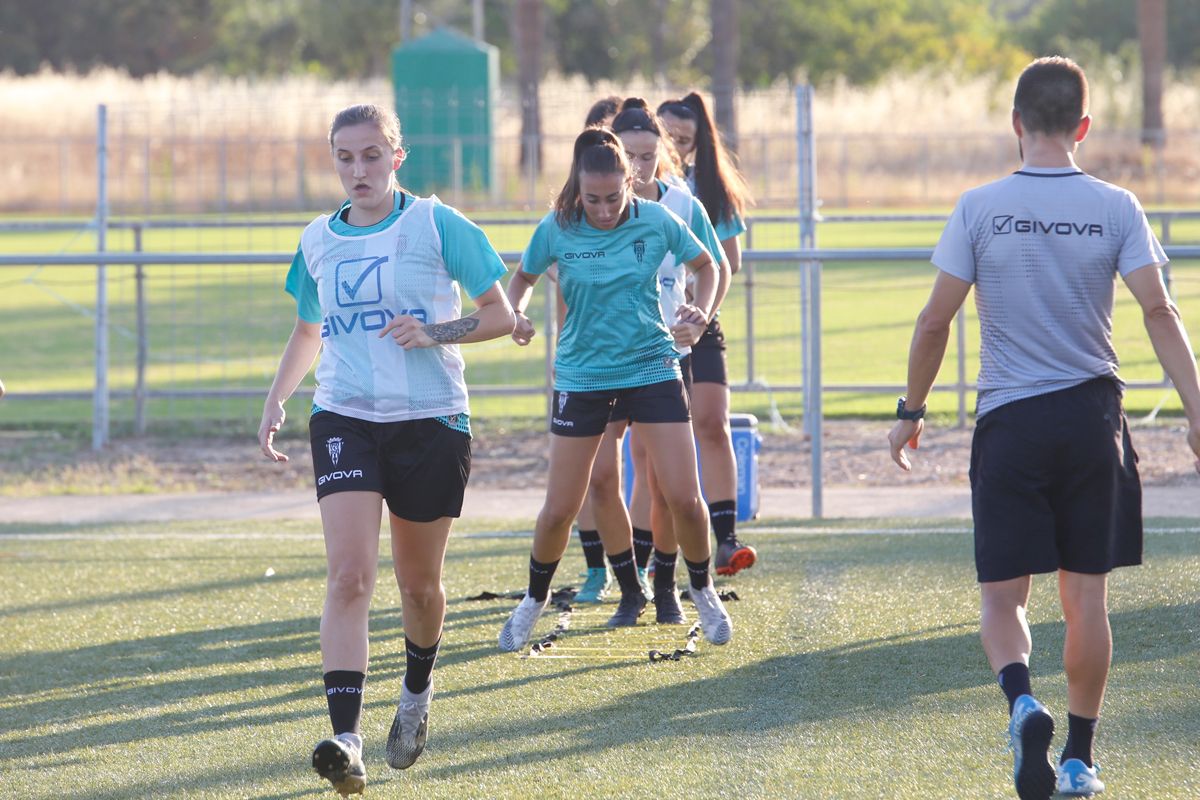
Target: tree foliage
x,y
142,36
1059,26
861,40
816,40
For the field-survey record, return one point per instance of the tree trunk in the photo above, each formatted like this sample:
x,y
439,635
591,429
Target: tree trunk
x,y
527,36
725,59
1152,34
659,31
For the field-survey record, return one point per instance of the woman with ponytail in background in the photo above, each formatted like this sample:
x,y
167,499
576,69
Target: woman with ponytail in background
x,y
716,181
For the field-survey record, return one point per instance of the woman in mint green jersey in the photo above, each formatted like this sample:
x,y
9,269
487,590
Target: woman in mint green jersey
x,y
615,345
714,178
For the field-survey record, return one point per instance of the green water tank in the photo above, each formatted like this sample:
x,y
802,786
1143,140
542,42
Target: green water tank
x,y
445,86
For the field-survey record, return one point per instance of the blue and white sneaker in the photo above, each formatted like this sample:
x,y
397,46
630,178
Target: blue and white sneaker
x,y
1029,733
595,586
1077,779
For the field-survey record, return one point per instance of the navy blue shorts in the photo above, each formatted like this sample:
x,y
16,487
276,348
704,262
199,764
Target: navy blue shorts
x,y
420,466
1054,485
588,413
708,356
620,410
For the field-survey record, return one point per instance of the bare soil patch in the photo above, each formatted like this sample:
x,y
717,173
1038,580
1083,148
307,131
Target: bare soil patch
x,y
855,454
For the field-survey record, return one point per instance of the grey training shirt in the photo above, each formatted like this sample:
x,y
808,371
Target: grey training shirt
x,y
1043,248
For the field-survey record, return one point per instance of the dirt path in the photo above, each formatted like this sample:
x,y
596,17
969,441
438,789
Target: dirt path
x,y
43,479
855,455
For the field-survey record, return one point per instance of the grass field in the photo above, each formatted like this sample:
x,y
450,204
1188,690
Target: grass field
x,y
143,660
222,326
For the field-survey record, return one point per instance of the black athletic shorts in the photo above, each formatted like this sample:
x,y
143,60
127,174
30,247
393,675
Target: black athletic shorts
x,y
620,411
1054,485
588,413
420,466
708,356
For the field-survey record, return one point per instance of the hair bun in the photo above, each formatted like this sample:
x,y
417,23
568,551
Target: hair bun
x,y
635,102
595,136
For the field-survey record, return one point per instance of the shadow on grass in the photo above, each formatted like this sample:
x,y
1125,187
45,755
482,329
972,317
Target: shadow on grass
x,y
71,688
151,595
247,780
97,680
852,681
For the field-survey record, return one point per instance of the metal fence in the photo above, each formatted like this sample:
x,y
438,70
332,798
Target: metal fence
x,y
187,328
190,174
801,269
755,300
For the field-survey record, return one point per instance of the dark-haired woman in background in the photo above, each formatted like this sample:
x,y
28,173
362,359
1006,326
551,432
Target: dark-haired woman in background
x,y
714,178
602,112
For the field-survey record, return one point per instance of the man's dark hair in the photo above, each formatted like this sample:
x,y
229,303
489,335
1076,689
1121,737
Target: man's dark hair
x,y
1052,95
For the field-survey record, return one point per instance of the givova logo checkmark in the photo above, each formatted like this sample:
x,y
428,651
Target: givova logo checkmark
x,y
1002,223
355,286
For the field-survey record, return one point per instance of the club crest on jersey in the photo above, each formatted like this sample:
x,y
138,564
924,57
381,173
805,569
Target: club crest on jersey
x,y
639,249
562,401
359,281
334,445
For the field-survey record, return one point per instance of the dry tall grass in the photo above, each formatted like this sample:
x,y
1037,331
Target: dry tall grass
x,y
206,142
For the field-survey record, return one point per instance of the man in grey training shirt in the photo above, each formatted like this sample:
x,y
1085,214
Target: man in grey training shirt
x,y
1054,482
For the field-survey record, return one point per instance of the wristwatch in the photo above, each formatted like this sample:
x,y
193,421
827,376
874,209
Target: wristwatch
x,y
904,413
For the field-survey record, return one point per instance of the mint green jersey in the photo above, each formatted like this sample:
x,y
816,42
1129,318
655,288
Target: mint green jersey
x,y
614,335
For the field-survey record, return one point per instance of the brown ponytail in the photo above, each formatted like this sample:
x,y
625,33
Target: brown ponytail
x,y
597,150
719,184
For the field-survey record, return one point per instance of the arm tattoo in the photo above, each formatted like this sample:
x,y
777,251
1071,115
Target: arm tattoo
x,y
447,332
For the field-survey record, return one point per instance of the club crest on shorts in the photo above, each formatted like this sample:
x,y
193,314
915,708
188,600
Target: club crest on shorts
x,y
334,445
562,401
639,249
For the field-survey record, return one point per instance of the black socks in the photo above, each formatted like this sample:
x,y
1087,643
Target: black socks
x,y
625,572
593,548
344,692
643,546
1080,733
698,573
1014,680
540,576
664,571
722,515
419,665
